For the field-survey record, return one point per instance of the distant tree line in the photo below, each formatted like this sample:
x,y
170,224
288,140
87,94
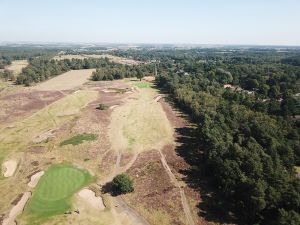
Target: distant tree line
x,y
114,71
40,69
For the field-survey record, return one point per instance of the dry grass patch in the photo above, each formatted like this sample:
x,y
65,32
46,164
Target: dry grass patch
x,y
140,124
66,81
16,137
16,66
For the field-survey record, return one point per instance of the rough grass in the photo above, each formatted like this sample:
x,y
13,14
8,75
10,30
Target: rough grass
x,y
155,217
140,124
65,81
16,66
142,84
55,189
78,139
17,137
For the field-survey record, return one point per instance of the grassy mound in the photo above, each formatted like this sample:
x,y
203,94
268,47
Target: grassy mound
x,y
78,139
55,190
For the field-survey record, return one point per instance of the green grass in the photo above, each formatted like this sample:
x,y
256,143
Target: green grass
x,y
55,189
78,139
142,84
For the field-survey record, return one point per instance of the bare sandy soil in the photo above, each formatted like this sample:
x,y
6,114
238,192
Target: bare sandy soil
x,y
90,197
66,81
17,66
9,167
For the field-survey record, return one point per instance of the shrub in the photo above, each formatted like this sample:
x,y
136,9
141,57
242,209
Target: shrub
x,y
102,107
122,184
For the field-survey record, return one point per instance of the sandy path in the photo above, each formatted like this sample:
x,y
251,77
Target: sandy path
x,y
9,167
35,179
90,197
17,210
184,202
122,209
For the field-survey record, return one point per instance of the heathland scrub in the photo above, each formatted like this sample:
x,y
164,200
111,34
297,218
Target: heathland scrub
x,y
18,135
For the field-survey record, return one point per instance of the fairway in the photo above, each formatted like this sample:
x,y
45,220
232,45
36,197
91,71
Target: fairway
x,y
55,190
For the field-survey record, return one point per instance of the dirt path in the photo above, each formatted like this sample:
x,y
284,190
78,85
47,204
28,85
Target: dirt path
x,y
184,202
122,208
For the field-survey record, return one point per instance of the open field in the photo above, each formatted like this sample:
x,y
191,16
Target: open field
x,y
66,81
55,190
16,66
112,58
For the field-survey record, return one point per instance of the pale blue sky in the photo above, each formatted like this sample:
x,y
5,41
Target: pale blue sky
x,y
272,22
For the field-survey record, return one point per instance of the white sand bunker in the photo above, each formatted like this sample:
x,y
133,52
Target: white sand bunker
x,y
113,106
90,197
9,167
17,210
157,98
35,179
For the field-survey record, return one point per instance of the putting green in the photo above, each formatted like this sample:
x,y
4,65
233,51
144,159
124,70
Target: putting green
x,y
55,189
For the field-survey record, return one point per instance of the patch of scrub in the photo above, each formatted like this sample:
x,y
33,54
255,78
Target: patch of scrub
x,y
24,131
142,84
35,179
55,189
78,139
17,209
90,197
9,167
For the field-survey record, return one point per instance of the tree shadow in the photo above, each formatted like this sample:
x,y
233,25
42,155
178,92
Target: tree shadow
x,y
213,206
109,188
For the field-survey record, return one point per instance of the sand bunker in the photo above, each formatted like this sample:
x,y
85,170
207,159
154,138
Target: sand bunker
x,y
35,179
158,98
44,136
17,210
9,167
113,106
90,197
109,91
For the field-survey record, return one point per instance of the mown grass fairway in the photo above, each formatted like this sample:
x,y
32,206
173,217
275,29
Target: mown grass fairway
x,y
142,84
55,190
78,139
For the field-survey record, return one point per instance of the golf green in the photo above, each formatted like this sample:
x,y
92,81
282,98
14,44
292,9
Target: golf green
x,y
55,189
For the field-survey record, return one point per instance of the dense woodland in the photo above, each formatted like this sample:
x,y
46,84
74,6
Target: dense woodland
x,y
249,142
245,103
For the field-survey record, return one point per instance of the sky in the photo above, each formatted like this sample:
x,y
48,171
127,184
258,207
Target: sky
x,y
256,22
